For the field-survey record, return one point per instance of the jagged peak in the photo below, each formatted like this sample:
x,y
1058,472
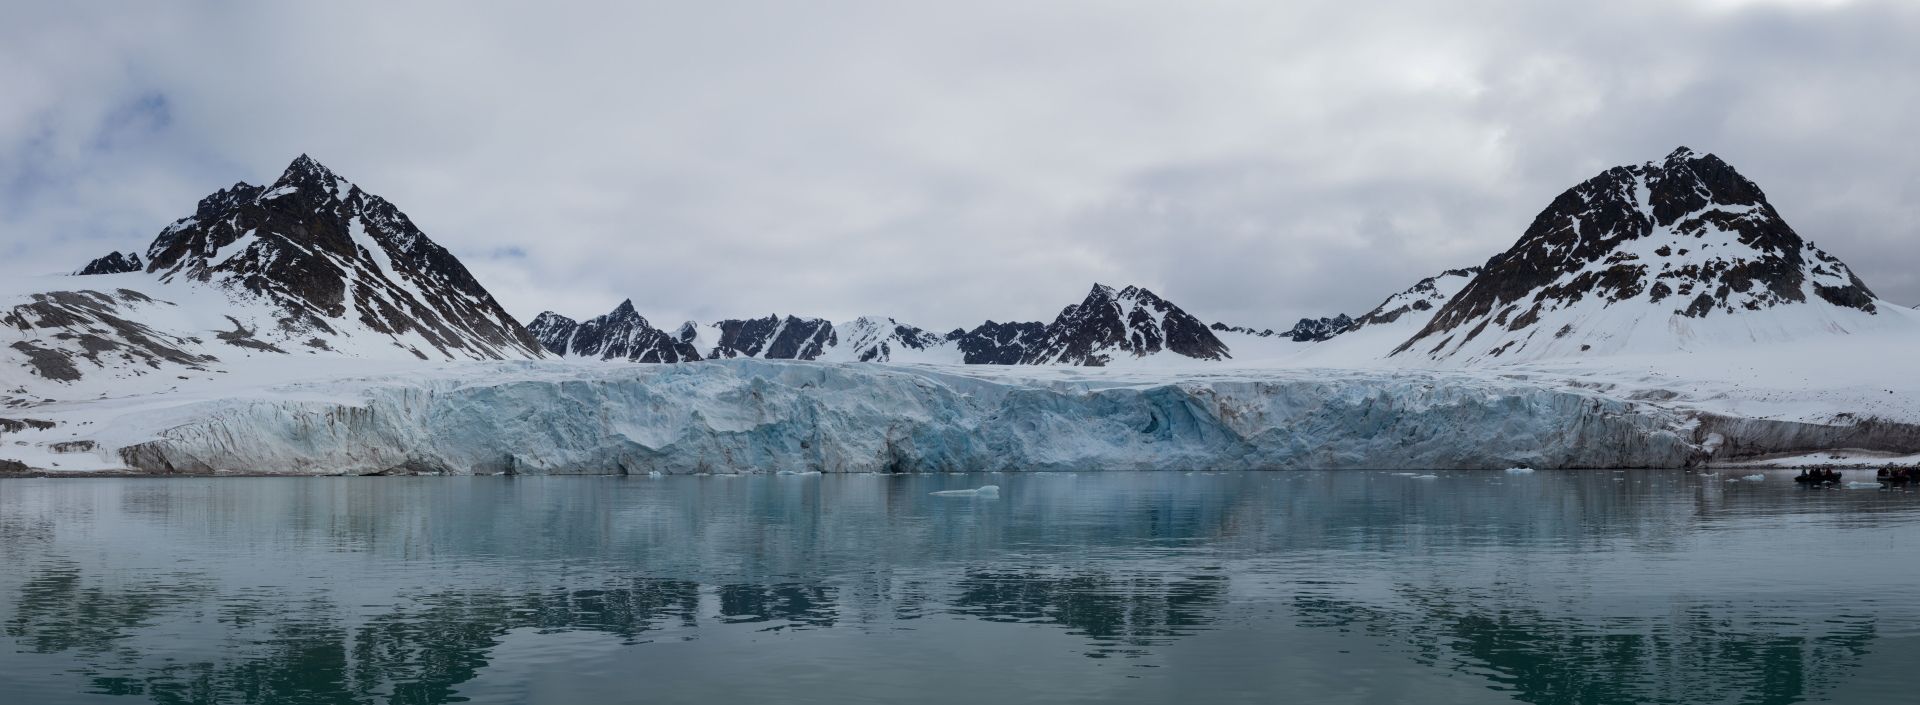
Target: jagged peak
x,y
304,174
552,317
1682,153
304,165
114,263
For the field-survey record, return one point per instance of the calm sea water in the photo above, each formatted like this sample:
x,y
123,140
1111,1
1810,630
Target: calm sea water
x,y
1325,587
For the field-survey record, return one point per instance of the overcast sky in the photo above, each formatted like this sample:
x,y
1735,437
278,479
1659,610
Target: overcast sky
x,y
949,162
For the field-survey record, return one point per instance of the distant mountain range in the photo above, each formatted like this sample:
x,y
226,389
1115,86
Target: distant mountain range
x,y
1647,258
1107,325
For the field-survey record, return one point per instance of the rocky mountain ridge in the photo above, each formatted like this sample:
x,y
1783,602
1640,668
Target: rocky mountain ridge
x,y
309,265
1308,330
1649,258
1109,324
335,262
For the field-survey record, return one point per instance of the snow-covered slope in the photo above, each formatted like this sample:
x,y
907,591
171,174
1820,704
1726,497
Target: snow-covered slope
x,y
1374,335
1682,254
882,339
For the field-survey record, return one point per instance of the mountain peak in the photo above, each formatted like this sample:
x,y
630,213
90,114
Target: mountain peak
x,y
331,258
114,263
1131,320
305,166
1657,246
622,334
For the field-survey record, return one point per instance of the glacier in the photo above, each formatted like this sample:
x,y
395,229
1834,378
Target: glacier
x,y
746,415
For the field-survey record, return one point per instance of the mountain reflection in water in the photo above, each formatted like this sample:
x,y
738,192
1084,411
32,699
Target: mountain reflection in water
x,y
1549,588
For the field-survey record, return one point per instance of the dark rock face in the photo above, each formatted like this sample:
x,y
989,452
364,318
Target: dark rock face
x,y
1313,330
774,338
1687,235
621,335
1308,330
1263,333
999,343
114,263
324,253
18,425
1132,321
554,331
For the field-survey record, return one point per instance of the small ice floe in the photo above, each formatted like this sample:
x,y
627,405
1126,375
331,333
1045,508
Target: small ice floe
x,y
802,472
982,491
1402,474
653,473
1519,470
1754,478
1426,477
1863,485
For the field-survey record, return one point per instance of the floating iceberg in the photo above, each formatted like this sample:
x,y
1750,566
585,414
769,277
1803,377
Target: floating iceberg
x,y
1754,478
1863,485
982,491
1519,470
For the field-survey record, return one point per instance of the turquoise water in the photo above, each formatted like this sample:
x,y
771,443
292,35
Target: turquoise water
x,y
1324,587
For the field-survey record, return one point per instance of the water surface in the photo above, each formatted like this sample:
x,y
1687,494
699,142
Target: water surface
x,y
1334,587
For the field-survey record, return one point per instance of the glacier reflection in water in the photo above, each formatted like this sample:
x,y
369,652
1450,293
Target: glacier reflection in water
x,y
1347,586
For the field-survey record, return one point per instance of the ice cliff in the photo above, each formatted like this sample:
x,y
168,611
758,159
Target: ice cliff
x,y
766,416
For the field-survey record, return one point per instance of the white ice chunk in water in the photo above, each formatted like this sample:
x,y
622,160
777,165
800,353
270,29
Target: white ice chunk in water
x,y
653,473
1863,485
1519,470
982,491
1754,478
1426,477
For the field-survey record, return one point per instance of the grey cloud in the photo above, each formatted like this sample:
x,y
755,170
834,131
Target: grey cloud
x,y
945,163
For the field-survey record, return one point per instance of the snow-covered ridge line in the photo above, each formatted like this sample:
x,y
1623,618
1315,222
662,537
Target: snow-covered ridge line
x,y
766,416
1109,326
